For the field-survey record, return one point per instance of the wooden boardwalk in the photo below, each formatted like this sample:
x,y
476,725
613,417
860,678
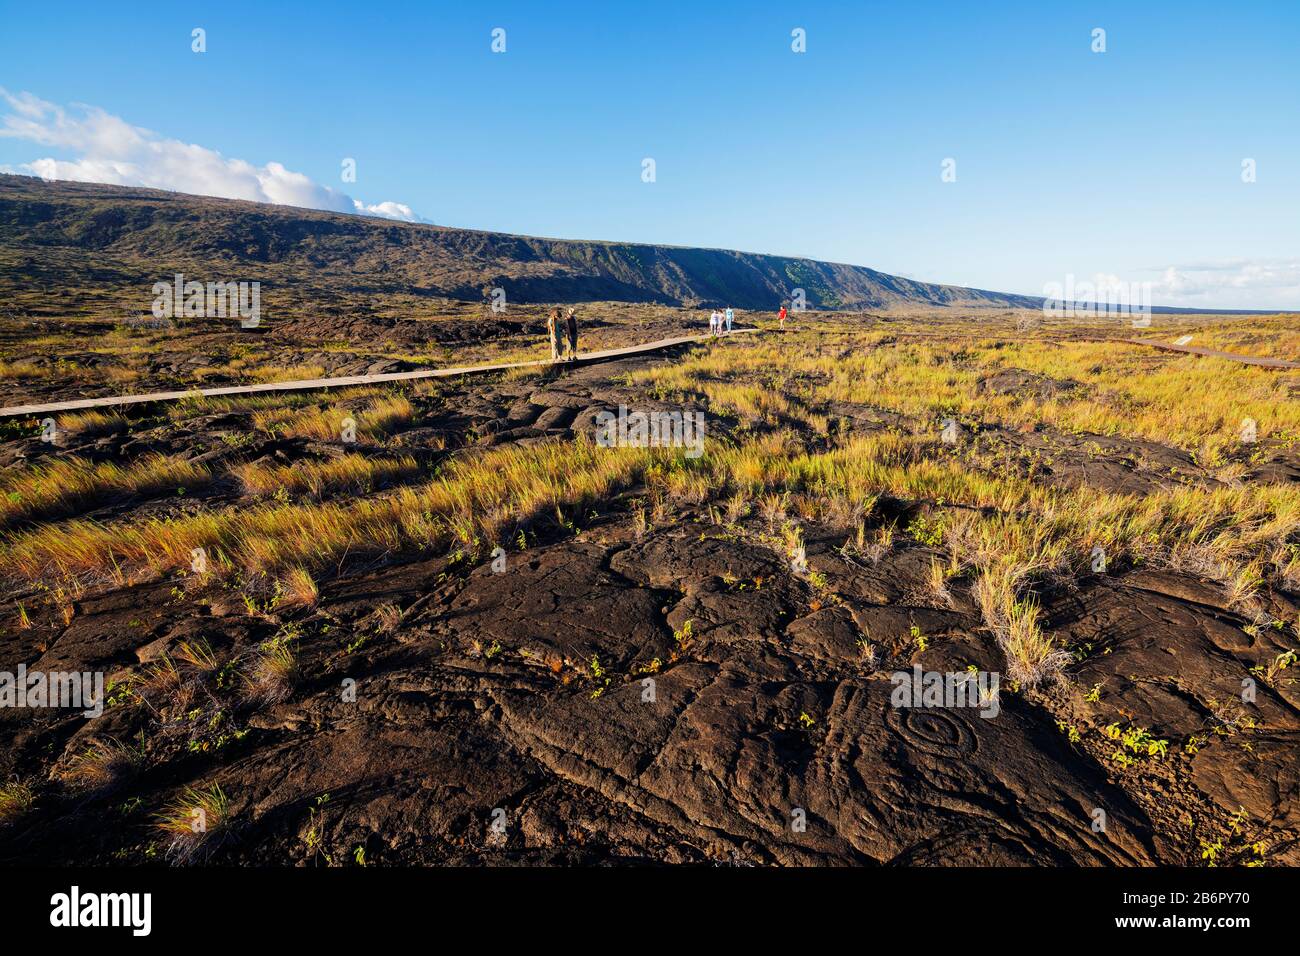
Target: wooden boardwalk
x,y
310,384
1212,353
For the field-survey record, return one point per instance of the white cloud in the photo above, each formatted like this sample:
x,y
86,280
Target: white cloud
x,y
110,150
1230,284
388,210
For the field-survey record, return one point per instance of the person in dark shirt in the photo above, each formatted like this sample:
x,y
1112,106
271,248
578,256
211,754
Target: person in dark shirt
x,y
571,326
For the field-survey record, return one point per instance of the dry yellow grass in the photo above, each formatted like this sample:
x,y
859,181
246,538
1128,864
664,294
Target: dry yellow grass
x,y
16,798
275,401
1031,520
373,422
1268,336
101,763
288,373
1198,404
66,485
22,370
1003,533
119,375
351,473
297,588
273,672
92,424
1009,532
196,819
473,503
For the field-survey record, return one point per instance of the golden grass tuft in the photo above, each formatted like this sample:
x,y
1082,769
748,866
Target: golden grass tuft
x,y
67,485
23,370
297,588
16,798
374,422
250,404
100,765
356,474
195,822
288,373
198,656
92,424
274,670
474,501
119,375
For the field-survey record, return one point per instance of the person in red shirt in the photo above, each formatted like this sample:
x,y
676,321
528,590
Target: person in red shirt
x,y
781,316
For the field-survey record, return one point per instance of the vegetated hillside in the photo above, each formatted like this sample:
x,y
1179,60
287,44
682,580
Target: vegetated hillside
x,y
119,233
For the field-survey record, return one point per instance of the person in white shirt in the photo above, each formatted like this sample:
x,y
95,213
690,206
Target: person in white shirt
x,y
715,321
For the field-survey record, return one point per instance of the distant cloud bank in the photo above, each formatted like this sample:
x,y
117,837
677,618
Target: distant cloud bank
x,y
1240,283
1249,284
110,150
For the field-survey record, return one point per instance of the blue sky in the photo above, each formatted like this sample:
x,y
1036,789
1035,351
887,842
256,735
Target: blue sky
x,y
1123,164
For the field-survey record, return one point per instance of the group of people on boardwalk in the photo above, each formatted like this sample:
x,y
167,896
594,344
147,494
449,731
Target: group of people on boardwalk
x,y
559,326
720,319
